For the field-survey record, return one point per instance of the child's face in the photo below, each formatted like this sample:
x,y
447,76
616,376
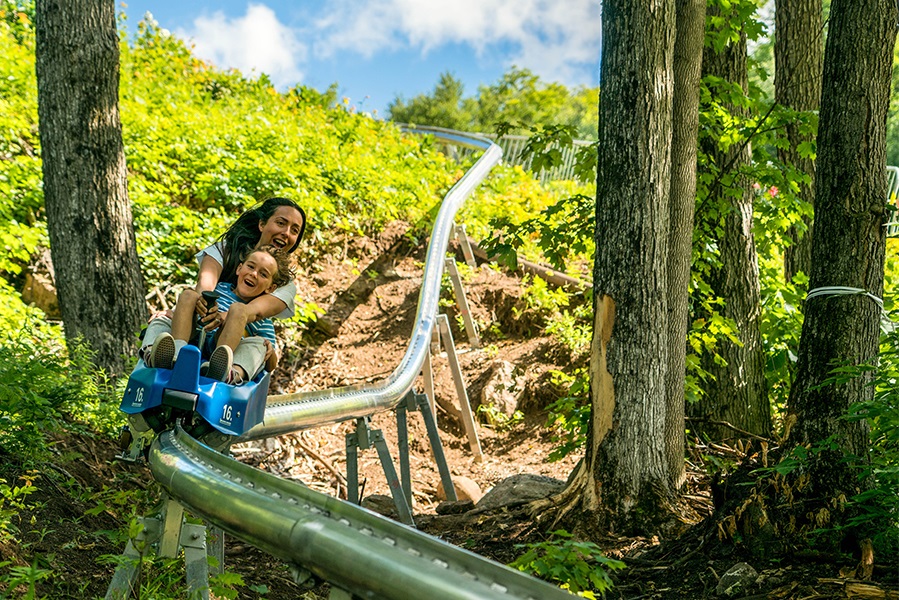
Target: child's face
x,y
282,228
256,275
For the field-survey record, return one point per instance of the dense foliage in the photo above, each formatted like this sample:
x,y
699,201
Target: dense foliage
x,y
519,97
202,145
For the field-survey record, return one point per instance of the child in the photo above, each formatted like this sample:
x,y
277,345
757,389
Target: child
x,y
276,221
234,359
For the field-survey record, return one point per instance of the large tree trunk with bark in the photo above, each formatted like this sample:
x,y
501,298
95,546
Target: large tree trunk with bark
x,y
624,484
689,35
823,454
848,247
737,392
798,58
99,282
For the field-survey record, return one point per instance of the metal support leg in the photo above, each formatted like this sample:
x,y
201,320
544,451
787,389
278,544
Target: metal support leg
x,y
363,438
352,468
215,547
193,540
171,528
462,303
427,373
435,340
164,528
402,439
124,580
467,418
459,230
396,490
420,401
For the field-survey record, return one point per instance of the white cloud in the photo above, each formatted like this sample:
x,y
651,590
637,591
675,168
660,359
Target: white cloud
x,y
256,42
559,41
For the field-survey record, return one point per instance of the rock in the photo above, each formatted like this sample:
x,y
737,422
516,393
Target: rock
x,y
737,580
520,489
39,290
383,505
454,508
502,392
466,489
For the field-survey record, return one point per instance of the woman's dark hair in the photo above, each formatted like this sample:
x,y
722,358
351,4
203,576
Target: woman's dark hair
x,y
244,234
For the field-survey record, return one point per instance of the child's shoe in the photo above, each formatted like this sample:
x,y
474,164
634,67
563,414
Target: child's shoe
x,y
162,354
236,376
221,362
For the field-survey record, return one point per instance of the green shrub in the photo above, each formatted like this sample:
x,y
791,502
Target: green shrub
x,y
580,567
569,416
40,392
877,509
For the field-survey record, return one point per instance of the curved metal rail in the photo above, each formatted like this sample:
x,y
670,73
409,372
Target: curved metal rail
x,y
292,412
354,549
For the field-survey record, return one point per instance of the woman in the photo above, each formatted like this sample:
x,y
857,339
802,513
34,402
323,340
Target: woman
x,y
277,221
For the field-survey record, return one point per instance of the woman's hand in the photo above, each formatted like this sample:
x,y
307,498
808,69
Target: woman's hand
x,y
160,314
210,316
214,319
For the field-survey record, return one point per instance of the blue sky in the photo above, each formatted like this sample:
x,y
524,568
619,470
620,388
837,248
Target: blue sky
x,y
379,49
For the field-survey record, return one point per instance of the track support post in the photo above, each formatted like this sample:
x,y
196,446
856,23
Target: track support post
x,y
168,533
446,336
471,329
363,437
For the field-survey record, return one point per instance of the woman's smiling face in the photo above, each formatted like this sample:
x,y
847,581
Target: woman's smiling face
x,y
282,228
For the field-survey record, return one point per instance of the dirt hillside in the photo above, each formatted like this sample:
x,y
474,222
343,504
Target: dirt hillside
x,y
368,290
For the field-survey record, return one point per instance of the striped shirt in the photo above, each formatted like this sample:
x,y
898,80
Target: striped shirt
x,y
263,327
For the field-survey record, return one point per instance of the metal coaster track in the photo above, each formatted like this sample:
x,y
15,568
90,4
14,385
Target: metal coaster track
x,y
292,412
359,552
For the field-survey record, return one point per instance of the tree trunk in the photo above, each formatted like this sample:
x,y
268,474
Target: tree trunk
x,y
625,480
737,393
848,248
798,56
690,31
99,282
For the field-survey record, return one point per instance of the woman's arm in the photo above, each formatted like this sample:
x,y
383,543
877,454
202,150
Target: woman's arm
x,y
208,277
264,306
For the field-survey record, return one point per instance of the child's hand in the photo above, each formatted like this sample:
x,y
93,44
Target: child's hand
x,y
269,351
